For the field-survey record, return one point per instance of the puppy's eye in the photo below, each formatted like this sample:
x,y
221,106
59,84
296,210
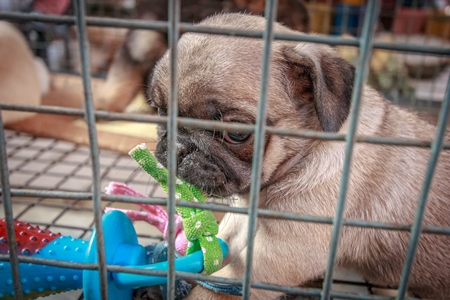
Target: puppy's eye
x,y
236,137
161,112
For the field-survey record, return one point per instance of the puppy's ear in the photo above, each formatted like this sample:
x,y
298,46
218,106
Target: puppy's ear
x,y
319,75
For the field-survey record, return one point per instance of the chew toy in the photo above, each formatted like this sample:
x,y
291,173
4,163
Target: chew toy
x,y
153,214
200,226
121,247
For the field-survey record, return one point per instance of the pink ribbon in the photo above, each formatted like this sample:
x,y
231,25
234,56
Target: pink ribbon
x,y
153,214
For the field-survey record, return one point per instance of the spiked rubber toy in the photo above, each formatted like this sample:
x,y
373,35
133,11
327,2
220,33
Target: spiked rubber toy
x,y
121,247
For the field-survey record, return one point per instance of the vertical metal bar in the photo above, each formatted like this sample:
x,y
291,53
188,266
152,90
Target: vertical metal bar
x,y
409,20
409,32
345,16
93,143
417,225
397,5
271,13
7,205
366,41
172,129
436,68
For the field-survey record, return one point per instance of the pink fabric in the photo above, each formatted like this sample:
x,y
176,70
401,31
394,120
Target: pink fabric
x,y
153,214
51,7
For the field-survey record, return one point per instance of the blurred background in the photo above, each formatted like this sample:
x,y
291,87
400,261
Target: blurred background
x,y
408,79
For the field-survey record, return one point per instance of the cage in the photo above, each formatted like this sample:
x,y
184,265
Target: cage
x,y
55,165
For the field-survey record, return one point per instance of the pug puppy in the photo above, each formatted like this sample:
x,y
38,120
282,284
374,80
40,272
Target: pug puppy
x,y
310,88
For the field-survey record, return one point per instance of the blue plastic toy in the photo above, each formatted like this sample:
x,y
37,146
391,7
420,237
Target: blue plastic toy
x,y
121,247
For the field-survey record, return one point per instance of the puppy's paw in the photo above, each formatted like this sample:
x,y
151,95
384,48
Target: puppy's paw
x,y
199,292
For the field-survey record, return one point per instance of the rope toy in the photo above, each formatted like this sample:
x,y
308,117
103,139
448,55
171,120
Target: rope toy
x,y
200,226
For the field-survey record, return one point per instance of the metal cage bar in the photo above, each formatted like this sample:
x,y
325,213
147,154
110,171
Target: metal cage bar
x,y
258,146
172,129
189,276
360,78
93,143
262,213
187,27
217,125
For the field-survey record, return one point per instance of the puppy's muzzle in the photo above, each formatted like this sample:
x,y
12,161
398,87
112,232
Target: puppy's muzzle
x,y
184,147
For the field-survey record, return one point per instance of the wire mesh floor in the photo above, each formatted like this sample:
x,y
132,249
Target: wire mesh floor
x,y
49,164
42,163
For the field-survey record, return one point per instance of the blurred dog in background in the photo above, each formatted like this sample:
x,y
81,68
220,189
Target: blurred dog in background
x,y
24,78
135,59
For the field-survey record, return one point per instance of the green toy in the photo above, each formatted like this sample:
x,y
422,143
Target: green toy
x,y
200,226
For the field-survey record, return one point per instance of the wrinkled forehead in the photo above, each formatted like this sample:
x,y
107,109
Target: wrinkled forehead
x,y
210,52
208,63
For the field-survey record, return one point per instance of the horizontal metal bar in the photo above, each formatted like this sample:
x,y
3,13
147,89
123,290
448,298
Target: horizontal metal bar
x,y
187,27
58,174
411,48
262,213
53,205
41,224
116,268
217,125
192,276
47,109
91,21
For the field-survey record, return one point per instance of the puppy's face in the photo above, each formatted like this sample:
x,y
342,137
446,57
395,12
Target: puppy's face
x,y
219,79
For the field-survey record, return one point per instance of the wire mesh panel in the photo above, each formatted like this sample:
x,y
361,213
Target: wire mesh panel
x,y
58,184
